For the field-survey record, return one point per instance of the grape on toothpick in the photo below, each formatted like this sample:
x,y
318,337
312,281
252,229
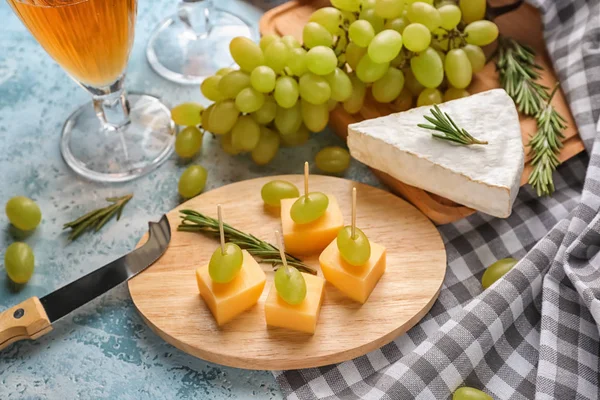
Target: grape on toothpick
x,y
289,282
311,206
226,261
353,244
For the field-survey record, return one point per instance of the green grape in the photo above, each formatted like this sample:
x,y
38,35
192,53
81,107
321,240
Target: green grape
x,y
397,24
286,92
225,264
400,61
385,46
428,68
370,16
233,83
266,40
416,37
469,393
442,56
340,84
227,145
332,104
276,56
309,208
454,93
472,10
333,159
412,83
249,100
297,138
291,42
267,146
210,88
369,71
192,181
224,71
266,113
367,4
357,98
321,60
206,117
223,116
188,142
23,213
425,14
314,34
245,134
476,57
274,191
404,101
348,17
187,114
346,5
328,17
409,2
388,9
450,16
315,117
496,271
354,53
290,285
246,53
481,33
361,32
263,79
429,97
288,120
458,68
355,250
314,88
386,89
19,262
297,62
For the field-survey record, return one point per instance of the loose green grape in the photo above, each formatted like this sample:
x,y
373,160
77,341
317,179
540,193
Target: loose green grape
x,y
206,117
266,113
388,9
267,146
276,56
496,271
429,97
361,32
315,117
290,285
210,88
192,181
333,159
404,101
225,264
23,213
481,33
263,79
458,68
355,250
297,62
357,98
224,71
286,92
346,5
328,17
412,83
472,10
385,46
227,145
233,83
266,40
314,88
245,134
354,53
340,84
309,208
369,71
288,120
398,24
291,42
416,37
454,93
428,68
321,60
476,57
386,89
450,16
274,191
425,14
376,21
188,142
469,393
249,100
246,53
223,117
297,138
187,114
19,262
314,34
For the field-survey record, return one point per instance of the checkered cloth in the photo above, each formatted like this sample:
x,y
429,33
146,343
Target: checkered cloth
x,y
534,333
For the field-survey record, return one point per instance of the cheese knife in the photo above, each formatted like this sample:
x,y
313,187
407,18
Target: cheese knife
x,y
34,317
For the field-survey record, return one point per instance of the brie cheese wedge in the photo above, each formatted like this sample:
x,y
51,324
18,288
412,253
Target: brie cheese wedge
x,y
484,177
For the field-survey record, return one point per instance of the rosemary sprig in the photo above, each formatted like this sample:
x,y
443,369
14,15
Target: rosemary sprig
x,y
98,218
193,221
450,131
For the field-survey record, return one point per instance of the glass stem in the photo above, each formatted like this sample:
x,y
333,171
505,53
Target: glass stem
x,y
196,16
111,105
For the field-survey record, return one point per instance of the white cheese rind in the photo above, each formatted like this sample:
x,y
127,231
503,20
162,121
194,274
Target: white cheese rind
x,y
483,177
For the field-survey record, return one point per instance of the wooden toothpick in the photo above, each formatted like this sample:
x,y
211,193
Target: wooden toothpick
x,y
221,231
353,213
281,247
306,178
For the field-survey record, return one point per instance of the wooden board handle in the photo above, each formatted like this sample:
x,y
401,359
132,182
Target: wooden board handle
x,y
27,320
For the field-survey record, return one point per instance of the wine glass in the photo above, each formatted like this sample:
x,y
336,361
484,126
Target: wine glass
x,y
193,44
116,138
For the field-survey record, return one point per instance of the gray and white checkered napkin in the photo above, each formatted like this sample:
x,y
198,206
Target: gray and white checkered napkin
x,y
534,334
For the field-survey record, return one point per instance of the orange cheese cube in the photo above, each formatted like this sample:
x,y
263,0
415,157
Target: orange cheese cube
x,y
355,282
311,238
300,317
226,300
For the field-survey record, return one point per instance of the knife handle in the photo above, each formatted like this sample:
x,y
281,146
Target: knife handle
x,y
26,320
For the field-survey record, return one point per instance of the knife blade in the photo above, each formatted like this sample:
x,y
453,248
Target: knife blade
x,y
33,317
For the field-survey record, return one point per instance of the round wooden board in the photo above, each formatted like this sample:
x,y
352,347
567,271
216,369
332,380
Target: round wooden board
x,y
166,294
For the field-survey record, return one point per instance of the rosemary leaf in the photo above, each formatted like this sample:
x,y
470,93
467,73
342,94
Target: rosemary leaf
x,y
96,219
441,122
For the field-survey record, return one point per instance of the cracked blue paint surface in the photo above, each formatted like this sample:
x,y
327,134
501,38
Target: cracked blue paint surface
x,y
104,350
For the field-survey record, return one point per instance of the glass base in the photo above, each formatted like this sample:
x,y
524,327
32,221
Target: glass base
x,y
119,155
180,55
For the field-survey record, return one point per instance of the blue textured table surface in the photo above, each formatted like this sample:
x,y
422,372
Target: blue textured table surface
x,y
104,350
